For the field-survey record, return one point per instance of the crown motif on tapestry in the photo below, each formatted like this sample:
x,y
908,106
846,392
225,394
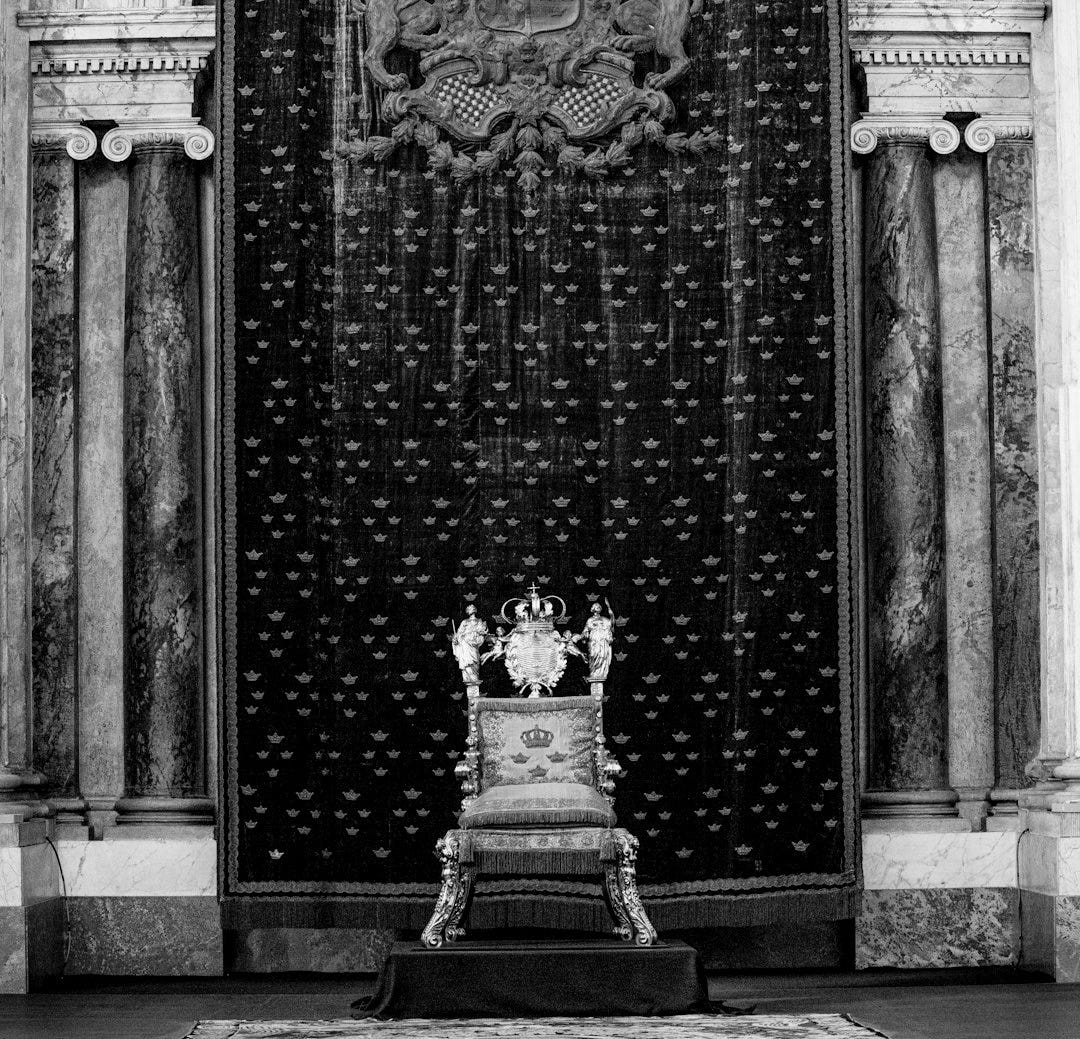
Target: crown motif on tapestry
x,y
534,738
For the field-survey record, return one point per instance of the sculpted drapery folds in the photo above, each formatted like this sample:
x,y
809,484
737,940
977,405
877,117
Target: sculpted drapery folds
x,y
528,82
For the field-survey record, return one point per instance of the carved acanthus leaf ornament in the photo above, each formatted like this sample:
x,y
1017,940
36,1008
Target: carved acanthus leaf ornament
x,y
525,85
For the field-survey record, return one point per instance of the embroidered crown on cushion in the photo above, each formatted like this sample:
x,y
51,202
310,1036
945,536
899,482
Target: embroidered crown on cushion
x,y
548,740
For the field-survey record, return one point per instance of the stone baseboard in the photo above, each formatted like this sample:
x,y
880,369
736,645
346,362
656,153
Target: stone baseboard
x,y
942,927
148,936
32,944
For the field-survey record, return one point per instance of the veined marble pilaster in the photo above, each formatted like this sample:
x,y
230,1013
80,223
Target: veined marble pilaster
x,y
103,211
164,747
960,207
53,351
19,784
908,729
1010,205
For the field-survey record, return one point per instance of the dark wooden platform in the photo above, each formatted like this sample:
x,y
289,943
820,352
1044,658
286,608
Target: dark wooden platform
x,y
524,977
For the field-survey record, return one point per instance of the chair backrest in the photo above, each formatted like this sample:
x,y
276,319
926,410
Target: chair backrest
x,y
543,740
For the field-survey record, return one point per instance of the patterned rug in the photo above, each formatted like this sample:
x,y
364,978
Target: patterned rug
x,y
691,1026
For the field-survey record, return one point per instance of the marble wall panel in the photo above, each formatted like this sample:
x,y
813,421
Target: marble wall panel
x,y
145,936
1010,210
950,927
53,353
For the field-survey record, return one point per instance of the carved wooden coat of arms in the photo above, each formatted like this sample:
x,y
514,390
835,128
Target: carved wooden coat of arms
x,y
518,78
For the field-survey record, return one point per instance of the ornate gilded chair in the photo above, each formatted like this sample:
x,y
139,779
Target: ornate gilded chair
x,y
536,775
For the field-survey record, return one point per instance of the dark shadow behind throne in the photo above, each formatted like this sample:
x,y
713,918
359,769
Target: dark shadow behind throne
x,y
536,775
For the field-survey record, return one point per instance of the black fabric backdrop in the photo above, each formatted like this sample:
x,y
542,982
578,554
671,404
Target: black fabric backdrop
x,y
634,387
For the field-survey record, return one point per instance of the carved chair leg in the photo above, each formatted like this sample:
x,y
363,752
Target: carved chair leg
x,y
448,850
613,896
626,847
453,929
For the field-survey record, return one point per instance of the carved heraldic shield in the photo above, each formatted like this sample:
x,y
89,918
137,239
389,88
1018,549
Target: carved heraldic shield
x,y
515,76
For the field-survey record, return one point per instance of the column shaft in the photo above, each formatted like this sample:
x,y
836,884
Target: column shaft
x,y
1010,211
18,784
960,216
53,346
163,699
908,727
103,203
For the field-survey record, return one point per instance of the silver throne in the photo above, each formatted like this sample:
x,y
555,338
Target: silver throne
x,y
537,778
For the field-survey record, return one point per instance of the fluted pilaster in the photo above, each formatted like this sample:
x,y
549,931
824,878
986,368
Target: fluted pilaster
x,y
164,714
908,730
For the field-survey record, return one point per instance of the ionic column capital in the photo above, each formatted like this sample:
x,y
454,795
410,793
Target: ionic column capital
x,y
866,134
196,141
981,134
77,140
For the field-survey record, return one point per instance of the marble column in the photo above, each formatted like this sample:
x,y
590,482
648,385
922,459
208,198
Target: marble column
x,y
908,724
960,216
1010,212
19,784
53,355
103,209
163,702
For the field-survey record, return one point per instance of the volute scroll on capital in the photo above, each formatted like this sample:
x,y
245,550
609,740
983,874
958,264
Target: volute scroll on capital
x,y
866,134
196,141
78,141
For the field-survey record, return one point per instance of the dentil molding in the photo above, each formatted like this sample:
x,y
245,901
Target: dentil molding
x,y
134,63
926,59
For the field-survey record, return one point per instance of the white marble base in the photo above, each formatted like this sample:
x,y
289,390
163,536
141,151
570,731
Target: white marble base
x,y
141,866
924,861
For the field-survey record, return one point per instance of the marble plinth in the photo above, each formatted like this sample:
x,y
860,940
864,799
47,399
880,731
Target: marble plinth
x,y
157,937
908,719
944,927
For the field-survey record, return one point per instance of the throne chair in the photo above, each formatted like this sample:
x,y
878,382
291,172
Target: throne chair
x,y
537,779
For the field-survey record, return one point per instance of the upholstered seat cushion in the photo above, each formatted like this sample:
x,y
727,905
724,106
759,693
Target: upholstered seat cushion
x,y
538,804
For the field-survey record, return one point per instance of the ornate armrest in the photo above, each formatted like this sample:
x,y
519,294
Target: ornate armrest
x,y
468,771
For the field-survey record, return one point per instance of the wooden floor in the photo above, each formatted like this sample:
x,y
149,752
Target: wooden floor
x,y
902,1005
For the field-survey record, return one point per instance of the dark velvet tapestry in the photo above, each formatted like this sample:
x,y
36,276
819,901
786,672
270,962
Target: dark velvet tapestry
x,y
616,367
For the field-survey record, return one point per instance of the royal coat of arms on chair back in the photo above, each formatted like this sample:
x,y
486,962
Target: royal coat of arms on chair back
x,y
537,779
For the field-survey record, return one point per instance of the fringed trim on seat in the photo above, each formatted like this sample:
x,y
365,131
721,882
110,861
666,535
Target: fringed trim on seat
x,y
530,861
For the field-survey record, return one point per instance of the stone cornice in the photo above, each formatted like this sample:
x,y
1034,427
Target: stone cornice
x,y
946,16
135,62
